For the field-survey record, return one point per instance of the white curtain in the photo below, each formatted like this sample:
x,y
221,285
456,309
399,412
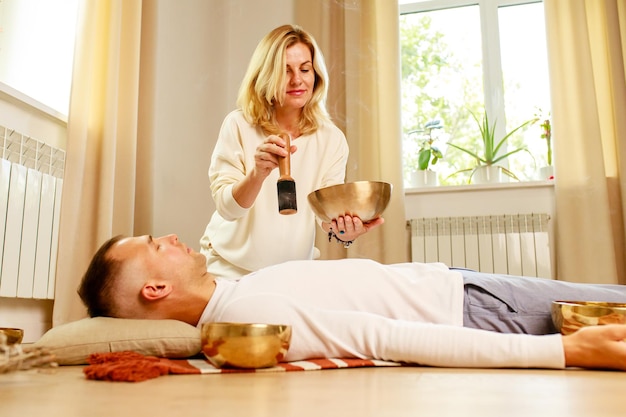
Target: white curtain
x,y
99,183
587,57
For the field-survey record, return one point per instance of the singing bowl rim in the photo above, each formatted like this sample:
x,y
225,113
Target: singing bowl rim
x,y
386,189
591,304
236,326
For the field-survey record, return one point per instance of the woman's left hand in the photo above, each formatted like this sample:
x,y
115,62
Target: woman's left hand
x,y
348,228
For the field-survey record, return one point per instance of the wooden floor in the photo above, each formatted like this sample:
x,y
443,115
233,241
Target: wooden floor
x,y
381,392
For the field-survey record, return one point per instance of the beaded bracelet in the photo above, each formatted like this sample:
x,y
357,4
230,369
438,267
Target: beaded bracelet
x,y
346,243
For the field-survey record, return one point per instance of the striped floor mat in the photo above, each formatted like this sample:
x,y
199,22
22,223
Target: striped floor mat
x,y
134,367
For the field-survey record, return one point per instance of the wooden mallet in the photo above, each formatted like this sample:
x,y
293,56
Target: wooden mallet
x,y
287,203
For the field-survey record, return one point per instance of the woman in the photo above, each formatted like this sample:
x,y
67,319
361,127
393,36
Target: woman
x,y
282,95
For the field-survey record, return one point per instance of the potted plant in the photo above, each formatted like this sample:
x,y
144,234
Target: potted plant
x,y
487,168
547,172
427,155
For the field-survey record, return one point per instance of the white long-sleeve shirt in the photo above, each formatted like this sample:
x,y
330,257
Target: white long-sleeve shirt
x,y
359,308
255,237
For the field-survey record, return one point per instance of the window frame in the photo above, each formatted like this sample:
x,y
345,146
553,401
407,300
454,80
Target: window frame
x,y
493,80
22,24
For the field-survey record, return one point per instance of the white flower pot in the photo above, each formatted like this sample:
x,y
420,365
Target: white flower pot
x,y
487,174
546,173
423,178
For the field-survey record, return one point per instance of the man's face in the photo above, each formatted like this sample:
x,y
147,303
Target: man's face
x,y
159,258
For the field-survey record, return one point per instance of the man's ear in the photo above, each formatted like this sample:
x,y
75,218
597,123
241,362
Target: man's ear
x,y
154,292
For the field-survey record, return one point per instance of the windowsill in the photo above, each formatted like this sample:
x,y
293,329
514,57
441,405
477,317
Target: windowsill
x,y
15,95
480,199
479,187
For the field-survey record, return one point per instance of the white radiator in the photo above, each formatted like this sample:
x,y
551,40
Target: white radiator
x,y
31,184
515,244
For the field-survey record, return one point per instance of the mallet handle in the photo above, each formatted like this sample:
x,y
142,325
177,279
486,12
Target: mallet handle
x,y
284,164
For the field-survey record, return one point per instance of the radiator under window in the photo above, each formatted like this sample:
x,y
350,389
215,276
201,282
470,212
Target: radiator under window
x,y
31,183
515,244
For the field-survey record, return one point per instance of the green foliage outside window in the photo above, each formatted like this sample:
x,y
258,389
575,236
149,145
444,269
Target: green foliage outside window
x,y
442,79
427,64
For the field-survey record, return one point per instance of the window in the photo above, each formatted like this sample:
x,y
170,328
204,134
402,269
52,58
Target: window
x,y
462,58
37,49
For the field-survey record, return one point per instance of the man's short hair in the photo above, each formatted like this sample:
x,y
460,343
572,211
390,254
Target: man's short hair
x,y
96,287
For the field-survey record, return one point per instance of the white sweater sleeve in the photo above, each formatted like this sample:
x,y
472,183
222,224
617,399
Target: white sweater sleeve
x,y
448,346
438,345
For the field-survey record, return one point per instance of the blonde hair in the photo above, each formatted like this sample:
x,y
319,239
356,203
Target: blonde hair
x,y
264,81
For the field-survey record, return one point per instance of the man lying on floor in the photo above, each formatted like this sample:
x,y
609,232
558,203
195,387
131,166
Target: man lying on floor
x,y
418,313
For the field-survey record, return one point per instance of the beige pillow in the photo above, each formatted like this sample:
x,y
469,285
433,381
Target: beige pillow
x,y
73,342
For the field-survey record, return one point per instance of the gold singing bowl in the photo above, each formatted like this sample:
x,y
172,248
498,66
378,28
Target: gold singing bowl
x,y
569,316
245,345
12,335
364,199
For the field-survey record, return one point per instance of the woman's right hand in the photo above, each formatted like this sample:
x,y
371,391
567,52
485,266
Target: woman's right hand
x,y
268,153
266,158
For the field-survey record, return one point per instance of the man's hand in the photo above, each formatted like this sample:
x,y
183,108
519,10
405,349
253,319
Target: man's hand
x,y
597,347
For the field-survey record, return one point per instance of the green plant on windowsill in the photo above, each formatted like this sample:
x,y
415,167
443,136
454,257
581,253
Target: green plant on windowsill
x,y
490,154
428,154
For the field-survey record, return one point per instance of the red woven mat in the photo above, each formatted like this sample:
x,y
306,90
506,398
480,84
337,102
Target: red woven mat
x,y
135,367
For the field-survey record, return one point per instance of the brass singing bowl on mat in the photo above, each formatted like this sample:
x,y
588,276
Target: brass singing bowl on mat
x,y
569,316
12,335
245,345
364,199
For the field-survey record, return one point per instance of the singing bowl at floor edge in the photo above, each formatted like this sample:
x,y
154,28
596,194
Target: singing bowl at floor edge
x,y
366,200
13,335
569,316
245,345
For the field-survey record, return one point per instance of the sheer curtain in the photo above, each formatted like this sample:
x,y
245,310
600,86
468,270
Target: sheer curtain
x,y
360,40
587,46
99,186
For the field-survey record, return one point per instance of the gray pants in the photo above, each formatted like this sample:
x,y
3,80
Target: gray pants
x,y
512,304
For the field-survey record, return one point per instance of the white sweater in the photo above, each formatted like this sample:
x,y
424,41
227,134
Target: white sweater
x,y
359,308
259,236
